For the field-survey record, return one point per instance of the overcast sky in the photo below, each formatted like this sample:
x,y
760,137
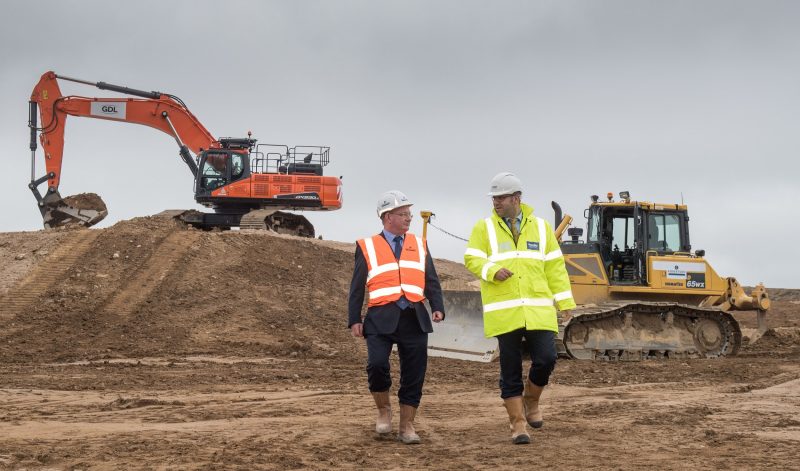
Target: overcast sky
x,y
671,100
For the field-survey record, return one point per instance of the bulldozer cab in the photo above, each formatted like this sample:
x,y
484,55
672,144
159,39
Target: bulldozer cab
x,y
627,233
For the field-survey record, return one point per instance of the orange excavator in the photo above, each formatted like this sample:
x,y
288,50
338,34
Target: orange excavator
x,y
245,183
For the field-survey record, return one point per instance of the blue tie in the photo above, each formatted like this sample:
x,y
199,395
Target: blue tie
x,y
398,247
402,303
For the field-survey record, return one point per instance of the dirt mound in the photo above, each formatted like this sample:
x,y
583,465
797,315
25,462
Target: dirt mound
x,y
149,285
778,340
782,294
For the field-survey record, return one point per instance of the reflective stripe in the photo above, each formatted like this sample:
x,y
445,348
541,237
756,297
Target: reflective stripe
x,y
542,236
412,289
476,253
381,269
485,271
373,259
516,254
553,255
492,236
563,295
378,293
512,303
421,248
408,264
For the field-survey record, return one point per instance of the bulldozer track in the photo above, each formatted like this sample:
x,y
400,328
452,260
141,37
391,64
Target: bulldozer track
x,y
160,263
665,330
46,274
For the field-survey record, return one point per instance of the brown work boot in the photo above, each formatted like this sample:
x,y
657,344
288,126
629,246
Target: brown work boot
x,y
383,424
407,433
516,415
531,400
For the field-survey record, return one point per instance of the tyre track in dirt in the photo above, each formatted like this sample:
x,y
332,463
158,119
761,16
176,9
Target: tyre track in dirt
x,y
160,263
47,273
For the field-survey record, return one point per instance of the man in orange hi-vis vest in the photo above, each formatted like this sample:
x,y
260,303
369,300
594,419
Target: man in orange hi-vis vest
x,y
395,271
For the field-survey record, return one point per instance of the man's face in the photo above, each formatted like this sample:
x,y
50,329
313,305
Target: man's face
x,y
506,206
398,220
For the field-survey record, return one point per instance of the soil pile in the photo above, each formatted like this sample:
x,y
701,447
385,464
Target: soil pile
x,y
86,201
149,285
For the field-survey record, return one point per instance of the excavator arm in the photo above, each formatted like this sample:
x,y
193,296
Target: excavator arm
x,y
161,111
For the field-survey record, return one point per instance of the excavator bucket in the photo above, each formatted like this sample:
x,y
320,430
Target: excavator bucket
x,y
85,209
460,336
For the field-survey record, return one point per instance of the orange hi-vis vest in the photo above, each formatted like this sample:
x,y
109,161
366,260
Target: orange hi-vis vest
x,y
388,279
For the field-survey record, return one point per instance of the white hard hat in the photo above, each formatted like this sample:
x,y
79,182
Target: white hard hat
x,y
390,200
504,183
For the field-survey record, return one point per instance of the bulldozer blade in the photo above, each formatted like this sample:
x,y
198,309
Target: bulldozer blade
x,y
461,336
85,210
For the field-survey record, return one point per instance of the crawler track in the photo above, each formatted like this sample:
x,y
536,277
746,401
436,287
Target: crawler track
x,y
641,330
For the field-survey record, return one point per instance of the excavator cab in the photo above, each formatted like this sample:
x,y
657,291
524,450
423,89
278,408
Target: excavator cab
x,y
220,167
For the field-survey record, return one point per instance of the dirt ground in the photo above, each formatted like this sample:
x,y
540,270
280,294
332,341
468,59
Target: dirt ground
x,y
147,345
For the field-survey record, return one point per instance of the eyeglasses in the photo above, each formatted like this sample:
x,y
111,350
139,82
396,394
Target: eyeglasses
x,y
403,215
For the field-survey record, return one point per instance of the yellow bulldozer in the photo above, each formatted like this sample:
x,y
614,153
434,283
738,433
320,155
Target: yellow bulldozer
x,y
641,291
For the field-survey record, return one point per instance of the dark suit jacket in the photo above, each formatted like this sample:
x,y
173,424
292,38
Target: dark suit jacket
x,y
383,319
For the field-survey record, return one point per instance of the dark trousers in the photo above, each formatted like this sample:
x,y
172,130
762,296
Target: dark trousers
x,y
412,347
542,349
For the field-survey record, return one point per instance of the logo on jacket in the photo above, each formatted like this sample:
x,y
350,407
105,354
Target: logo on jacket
x,y
533,246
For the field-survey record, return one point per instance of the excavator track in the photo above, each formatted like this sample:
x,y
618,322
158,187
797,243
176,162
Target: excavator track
x,y
257,219
638,330
278,221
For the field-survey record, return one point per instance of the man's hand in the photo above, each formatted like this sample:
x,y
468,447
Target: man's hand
x,y
438,316
503,274
357,330
566,316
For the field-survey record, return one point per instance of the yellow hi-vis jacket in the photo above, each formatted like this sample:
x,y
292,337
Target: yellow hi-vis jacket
x,y
540,283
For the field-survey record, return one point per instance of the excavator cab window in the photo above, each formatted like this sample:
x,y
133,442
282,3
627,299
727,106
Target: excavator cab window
x,y
218,168
213,172
237,166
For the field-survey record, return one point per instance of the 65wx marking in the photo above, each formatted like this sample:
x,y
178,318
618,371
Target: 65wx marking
x,y
108,109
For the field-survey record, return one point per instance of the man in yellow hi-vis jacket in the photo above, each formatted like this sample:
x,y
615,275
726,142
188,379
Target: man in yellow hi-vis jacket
x,y
523,281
